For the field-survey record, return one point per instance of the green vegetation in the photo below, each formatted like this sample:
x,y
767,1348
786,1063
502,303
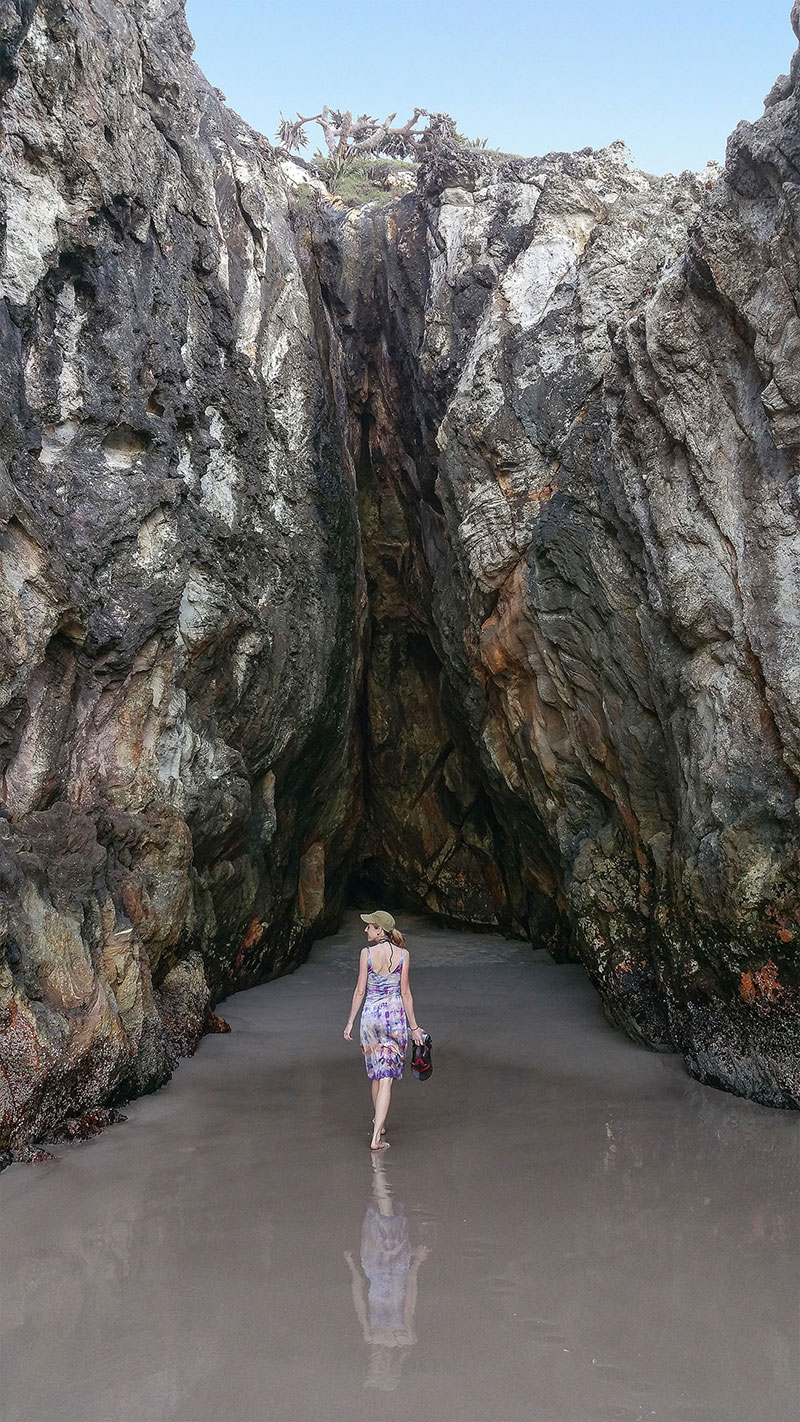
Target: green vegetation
x,y
359,179
369,160
304,197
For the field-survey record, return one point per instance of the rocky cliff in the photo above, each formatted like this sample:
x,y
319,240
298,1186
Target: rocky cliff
x,y
182,583
448,547
578,470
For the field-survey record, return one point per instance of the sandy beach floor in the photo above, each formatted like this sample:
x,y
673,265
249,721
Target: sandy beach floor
x,y
565,1228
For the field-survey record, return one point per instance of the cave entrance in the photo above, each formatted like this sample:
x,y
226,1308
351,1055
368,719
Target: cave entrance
x,y
438,835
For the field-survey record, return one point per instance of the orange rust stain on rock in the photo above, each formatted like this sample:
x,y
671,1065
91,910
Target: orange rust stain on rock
x,y
782,928
543,494
762,984
253,933
747,991
493,654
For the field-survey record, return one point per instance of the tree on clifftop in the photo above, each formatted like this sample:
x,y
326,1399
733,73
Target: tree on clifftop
x,y
369,159
347,138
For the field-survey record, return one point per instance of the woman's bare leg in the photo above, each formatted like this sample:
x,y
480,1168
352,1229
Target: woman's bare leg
x,y
383,1100
374,1087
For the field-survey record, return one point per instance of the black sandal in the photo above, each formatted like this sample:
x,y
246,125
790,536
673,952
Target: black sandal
x,y
422,1058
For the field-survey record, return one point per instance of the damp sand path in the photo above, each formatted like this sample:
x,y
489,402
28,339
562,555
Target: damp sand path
x,y
566,1227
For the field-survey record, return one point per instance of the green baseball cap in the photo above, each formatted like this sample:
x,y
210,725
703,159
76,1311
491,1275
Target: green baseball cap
x,y
380,920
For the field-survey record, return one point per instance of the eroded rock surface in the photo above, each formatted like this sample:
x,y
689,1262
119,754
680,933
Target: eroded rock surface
x,y
573,390
450,545
181,578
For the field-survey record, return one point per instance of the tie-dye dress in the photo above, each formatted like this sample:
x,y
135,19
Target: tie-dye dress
x,y
384,1030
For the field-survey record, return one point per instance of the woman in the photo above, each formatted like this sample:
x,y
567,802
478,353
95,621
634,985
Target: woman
x,y
388,1013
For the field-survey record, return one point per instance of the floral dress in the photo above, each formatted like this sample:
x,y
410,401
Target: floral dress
x,y
384,1030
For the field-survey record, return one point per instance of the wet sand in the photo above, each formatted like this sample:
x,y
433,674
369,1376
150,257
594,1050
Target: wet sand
x,y
566,1227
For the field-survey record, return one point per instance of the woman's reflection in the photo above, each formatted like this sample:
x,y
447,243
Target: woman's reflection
x,y
391,1266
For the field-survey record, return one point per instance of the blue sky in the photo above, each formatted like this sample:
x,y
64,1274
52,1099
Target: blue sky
x,y
671,78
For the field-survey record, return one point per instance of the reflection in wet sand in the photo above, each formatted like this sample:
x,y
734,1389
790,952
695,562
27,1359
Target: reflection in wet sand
x,y
614,1242
390,1267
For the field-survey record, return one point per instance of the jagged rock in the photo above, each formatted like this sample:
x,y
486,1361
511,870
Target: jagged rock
x,y
450,545
181,578
574,387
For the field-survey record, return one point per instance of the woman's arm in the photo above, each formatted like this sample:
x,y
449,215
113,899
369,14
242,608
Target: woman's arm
x,y
408,1001
358,995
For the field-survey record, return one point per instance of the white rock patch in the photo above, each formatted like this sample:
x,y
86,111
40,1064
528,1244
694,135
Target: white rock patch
x,y
33,207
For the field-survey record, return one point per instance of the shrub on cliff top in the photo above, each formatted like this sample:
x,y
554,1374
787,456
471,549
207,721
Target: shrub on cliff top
x,y
370,160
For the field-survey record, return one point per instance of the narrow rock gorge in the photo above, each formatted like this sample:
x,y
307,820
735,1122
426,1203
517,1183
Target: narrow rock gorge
x,y
446,549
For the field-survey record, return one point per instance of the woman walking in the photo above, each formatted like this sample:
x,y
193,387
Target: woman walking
x,y
387,1016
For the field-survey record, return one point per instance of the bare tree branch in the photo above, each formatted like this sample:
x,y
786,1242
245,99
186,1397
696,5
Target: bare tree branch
x,y
345,135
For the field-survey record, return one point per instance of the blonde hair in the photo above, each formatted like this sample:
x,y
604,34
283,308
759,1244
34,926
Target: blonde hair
x,y
397,938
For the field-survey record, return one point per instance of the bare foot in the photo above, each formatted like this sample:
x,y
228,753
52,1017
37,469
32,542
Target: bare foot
x,y
379,1144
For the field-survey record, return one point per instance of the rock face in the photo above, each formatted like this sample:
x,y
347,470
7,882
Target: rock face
x,y
449,546
182,587
578,411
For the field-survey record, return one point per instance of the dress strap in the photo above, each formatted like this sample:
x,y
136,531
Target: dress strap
x,y
369,959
